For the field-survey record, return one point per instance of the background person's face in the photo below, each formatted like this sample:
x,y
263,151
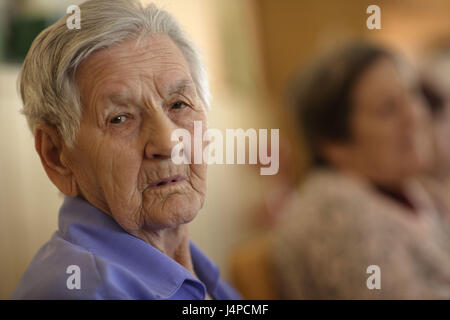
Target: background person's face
x,y
133,97
388,126
441,136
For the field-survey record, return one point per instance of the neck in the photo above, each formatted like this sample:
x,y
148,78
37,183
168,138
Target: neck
x,y
395,191
173,242
395,187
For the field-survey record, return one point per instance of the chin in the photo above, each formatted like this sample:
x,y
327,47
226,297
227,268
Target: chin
x,y
176,209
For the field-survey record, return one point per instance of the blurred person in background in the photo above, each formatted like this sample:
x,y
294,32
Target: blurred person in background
x,y
436,177
435,85
360,204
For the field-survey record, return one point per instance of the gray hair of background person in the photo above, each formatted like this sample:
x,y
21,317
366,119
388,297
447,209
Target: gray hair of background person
x,y
321,94
47,81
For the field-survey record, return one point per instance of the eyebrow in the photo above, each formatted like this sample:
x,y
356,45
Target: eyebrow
x,y
122,96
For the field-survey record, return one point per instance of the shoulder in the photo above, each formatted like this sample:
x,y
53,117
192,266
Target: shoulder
x,y
332,213
326,198
62,270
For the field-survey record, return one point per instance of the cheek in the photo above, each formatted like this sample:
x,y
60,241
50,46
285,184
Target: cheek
x,y
185,118
442,137
376,147
198,171
371,136
198,176
199,182
119,166
196,125
85,159
443,132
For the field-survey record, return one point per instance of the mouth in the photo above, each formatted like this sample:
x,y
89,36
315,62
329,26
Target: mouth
x,y
169,181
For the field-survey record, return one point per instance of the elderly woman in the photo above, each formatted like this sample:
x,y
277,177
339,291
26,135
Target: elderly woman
x,y
102,103
360,226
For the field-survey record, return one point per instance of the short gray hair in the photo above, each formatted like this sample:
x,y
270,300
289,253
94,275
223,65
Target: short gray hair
x,y
47,81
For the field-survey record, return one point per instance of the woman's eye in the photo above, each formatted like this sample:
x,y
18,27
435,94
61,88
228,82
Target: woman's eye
x,y
118,119
178,105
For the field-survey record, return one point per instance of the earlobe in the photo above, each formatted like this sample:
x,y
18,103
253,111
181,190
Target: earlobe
x,y
49,146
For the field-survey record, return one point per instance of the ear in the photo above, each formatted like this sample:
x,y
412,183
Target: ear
x,y
50,147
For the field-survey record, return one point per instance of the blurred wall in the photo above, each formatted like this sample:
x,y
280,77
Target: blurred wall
x,y
28,201
292,31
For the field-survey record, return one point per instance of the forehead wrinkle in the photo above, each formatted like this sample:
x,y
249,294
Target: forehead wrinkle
x,y
156,51
140,92
99,78
113,65
116,91
123,89
181,86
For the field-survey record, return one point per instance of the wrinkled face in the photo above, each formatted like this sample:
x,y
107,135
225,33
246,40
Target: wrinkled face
x,y
134,95
389,124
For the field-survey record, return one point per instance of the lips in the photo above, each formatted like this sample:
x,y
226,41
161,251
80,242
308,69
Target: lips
x,y
166,182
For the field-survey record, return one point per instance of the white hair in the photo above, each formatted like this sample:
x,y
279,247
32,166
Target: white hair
x,y
47,85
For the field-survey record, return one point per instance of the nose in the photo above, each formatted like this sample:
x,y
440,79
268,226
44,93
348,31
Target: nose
x,y
159,144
